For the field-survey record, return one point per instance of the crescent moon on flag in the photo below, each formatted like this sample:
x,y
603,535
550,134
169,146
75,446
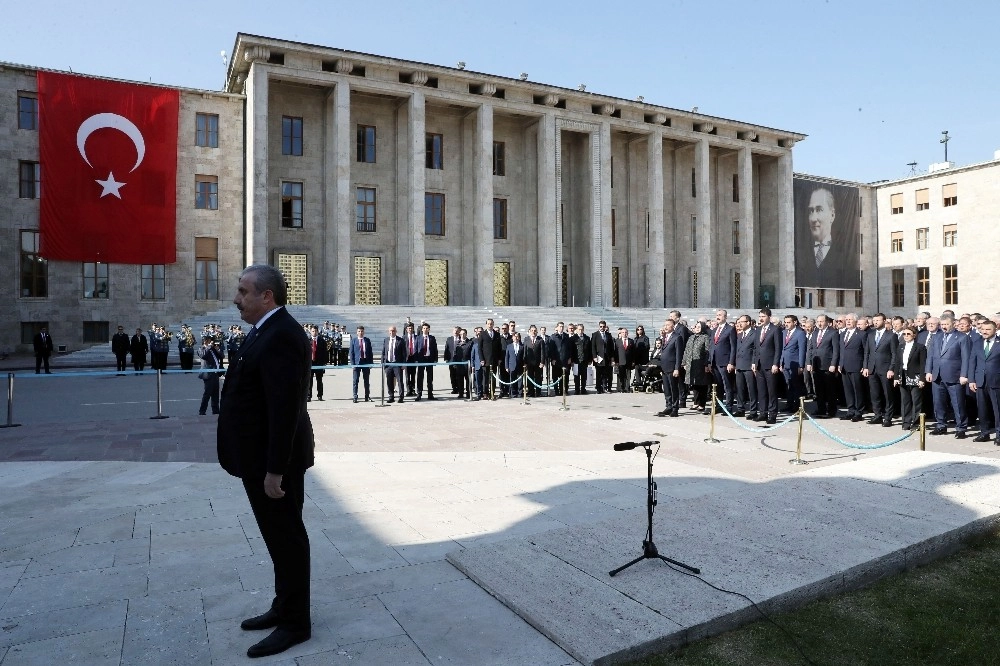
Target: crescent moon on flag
x,y
112,121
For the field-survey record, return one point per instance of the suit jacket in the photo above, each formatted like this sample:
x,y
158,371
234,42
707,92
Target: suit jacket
x,y
746,348
948,356
406,347
398,350
722,347
768,351
915,365
821,354
672,355
625,355
580,350
449,348
560,350
641,349
355,357
534,352
119,344
489,347
322,355
878,358
985,370
514,360
138,345
426,353
793,352
43,347
852,352
263,422
603,345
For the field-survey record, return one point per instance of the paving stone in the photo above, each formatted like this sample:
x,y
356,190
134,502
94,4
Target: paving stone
x,y
166,629
51,624
93,647
395,650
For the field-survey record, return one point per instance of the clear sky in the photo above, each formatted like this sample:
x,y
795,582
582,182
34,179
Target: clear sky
x,y
873,83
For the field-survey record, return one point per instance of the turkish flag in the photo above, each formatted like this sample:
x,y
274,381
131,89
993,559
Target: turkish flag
x,y
108,154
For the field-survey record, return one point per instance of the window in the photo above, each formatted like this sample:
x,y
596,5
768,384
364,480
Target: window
x,y
95,331
434,154
434,214
923,285
206,130
840,297
34,269
500,219
694,187
29,329
30,177
291,135
736,289
647,230
206,269
366,144
857,297
923,199
950,194
27,111
95,280
736,189
612,174
206,192
499,158
950,235
736,236
898,295
896,203
922,235
694,233
153,282
694,288
614,228
896,241
951,284
365,198
291,205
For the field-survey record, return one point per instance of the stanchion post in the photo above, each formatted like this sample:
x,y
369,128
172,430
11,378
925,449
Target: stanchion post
x,y
159,396
381,364
524,386
564,407
10,403
923,432
797,460
469,387
711,421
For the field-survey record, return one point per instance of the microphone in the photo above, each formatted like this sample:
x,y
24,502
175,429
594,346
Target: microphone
x,y
625,446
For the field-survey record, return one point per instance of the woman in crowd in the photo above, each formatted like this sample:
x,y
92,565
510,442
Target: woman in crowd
x,y
695,363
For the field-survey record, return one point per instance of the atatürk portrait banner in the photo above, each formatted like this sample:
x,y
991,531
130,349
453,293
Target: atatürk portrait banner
x,y
827,235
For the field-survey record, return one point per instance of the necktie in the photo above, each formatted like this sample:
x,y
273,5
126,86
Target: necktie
x,y
878,338
392,349
989,343
847,338
718,332
819,338
763,332
821,250
788,336
251,335
410,346
427,347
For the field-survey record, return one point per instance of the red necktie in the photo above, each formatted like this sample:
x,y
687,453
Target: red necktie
x,y
819,338
718,332
427,347
763,332
788,336
411,344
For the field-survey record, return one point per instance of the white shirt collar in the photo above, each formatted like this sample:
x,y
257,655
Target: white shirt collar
x,y
265,317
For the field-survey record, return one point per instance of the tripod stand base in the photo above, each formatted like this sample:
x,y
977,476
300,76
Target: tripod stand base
x,y
649,552
798,461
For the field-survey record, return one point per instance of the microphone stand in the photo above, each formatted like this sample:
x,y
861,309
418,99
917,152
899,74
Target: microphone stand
x,y
649,551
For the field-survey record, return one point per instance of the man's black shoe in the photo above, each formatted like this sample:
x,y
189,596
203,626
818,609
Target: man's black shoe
x,y
752,416
355,400
886,424
674,413
391,399
740,413
939,431
265,621
431,397
875,420
417,399
857,418
278,641
665,412
960,435
982,438
771,420
846,417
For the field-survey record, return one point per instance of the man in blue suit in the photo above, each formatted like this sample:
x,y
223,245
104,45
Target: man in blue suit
x,y
722,356
427,352
393,351
766,365
984,381
852,360
948,372
514,362
793,361
670,364
361,355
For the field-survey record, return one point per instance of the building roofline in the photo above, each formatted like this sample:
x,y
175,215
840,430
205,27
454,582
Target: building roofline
x,y
463,73
831,181
937,174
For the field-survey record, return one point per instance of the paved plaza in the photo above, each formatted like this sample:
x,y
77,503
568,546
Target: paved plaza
x,y
454,532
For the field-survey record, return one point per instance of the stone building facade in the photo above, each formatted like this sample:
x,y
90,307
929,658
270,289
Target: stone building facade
x,y
939,239
378,180
83,303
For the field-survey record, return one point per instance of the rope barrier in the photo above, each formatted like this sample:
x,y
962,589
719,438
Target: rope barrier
x,y
497,377
545,386
851,445
750,428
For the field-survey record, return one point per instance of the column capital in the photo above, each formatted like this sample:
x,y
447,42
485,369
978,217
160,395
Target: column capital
x,y
257,54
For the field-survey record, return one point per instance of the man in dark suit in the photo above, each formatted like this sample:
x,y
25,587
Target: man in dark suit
x,y
320,358
581,356
670,363
454,371
490,350
119,347
681,329
793,361
42,343
139,347
852,361
746,383
624,359
266,439
984,381
948,370
560,355
880,349
427,352
463,354
394,351
361,356
514,362
410,371
603,346
822,359
767,365
722,357
534,360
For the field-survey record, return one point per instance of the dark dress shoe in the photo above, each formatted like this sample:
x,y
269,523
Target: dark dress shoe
x,y
939,431
752,416
740,413
265,621
391,399
906,426
401,400
982,438
367,399
278,641
355,400
665,412
320,398
674,413
857,418
846,417
431,397
960,435
417,399
886,424
771,420
875,420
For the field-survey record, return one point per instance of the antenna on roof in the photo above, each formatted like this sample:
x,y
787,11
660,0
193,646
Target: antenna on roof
x,y
913,168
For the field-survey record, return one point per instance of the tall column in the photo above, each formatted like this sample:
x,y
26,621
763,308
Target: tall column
x,y
748,239
415,251
255,248
549,270
786,233
654,174
706,226
338,207
600,244
482,214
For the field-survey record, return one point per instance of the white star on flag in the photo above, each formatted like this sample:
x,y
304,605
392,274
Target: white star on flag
x,y
111,186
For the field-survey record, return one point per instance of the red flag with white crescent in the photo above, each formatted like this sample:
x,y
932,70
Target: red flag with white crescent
x,y
108,158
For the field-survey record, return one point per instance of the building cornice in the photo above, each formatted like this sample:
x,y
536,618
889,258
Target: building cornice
x,y
944,173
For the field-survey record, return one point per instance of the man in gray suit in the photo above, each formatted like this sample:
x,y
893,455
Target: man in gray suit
x,y
746,382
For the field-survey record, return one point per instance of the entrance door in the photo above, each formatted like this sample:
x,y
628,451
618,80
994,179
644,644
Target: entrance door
x,y
295,268
367,281
501,283
435,282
